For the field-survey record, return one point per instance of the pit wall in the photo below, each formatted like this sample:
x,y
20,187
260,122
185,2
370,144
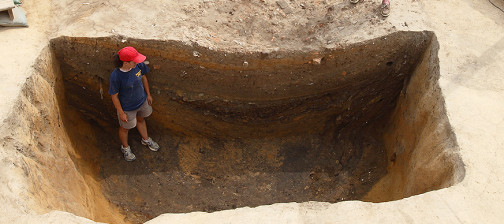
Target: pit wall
x,y
206,92
421,147
39,142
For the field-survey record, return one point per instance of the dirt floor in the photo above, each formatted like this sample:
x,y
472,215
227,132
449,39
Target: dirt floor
x,y
197,175
38,178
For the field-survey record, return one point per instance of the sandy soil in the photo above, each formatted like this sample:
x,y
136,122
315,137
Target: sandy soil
x,y
471,37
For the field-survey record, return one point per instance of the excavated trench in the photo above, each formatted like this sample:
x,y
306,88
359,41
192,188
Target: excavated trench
x,y
362,122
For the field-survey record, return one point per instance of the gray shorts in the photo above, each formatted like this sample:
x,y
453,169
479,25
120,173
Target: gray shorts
x,y
144,111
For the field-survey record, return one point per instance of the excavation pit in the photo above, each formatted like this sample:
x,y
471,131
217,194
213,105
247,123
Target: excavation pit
x,y
361,122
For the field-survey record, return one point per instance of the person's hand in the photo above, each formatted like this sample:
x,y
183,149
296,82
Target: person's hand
x,y
149,99
124,117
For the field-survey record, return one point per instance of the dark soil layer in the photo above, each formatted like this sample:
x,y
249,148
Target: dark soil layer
x,y
243,129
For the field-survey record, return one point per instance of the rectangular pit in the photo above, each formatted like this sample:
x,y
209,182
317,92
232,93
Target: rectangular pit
x,y
363,122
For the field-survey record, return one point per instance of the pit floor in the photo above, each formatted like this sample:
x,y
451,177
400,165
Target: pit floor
x,y
192,174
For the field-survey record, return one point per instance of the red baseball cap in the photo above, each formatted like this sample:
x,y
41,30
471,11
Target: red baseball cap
x,y
131,54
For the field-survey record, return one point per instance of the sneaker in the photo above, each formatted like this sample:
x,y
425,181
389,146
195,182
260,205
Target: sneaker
x,y
128,155
152,144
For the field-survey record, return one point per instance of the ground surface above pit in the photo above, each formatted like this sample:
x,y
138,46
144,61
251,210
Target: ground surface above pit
x,y
471,54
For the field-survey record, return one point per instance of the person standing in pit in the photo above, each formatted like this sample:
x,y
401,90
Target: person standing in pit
x,y
385,7
130,93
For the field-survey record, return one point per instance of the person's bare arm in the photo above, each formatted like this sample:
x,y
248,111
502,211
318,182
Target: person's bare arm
x,y
146,87
117,105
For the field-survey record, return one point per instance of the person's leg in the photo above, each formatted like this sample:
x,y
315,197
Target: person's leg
x,y
125,148
142,128
123,136
144,111
125,126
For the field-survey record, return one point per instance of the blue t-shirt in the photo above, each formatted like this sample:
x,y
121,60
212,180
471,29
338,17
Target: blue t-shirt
x,y
130,87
